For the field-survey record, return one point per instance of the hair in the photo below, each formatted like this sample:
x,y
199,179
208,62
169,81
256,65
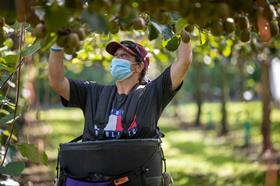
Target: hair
x,y
143,72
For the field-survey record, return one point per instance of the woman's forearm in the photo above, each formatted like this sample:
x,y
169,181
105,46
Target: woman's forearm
x,y
56,76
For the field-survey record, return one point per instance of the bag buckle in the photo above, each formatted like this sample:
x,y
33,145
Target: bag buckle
x,y
121,180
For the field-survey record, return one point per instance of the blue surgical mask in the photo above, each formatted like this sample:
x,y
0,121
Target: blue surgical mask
x,y
120,69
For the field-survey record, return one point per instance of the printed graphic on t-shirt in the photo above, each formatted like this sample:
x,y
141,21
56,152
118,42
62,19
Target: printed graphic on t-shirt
x,y
114,127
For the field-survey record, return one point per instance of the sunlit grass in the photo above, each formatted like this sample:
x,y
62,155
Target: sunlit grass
x,y
194,157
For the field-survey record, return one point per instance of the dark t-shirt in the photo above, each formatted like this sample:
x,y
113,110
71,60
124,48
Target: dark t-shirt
x,y
155,96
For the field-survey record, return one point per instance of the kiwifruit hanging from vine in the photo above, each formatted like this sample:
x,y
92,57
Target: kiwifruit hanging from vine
x,y
185,36
73,40
229,25
39,31
217,27
32,19
81,33
139,23
189,28
245,36
62,41
243,22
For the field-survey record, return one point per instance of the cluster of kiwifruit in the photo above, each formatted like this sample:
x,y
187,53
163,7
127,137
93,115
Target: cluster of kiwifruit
x,y
138,23
70,39
229,25
220,17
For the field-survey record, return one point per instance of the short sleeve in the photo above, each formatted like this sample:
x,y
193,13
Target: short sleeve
x,y
163,88
78,93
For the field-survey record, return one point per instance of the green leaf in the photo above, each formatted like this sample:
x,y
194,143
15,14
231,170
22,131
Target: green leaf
x,y
165,30
198,37
180,24
11,60
31,49
173,43
153,32
31,152
13,168
5,67
8,119
7,133
48,42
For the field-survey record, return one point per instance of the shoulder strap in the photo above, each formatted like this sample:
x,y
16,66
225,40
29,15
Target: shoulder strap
x,y
131,106
104,105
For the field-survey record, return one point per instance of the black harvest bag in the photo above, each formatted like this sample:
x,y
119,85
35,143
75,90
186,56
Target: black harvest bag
x,y
140,161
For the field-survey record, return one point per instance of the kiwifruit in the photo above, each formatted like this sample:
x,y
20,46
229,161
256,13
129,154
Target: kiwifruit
x,y
62,41
153,32
274,28
217,28
229,25
32,19
81,33
173,44
185,36
189,28
243,22
73,40
39,31
245,36
139,23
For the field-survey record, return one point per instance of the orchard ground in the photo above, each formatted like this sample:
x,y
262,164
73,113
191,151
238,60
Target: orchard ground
x,y
194,156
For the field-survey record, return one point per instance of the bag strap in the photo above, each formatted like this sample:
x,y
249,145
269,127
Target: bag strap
x,y
131,106
104,108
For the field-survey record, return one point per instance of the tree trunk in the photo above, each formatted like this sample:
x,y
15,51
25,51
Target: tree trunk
x,y
198,96
224,95
266,108
240,88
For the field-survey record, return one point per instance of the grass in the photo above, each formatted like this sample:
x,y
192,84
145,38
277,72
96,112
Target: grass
x,y
194,157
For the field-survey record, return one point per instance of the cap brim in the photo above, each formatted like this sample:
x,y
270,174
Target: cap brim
x,y
112,47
